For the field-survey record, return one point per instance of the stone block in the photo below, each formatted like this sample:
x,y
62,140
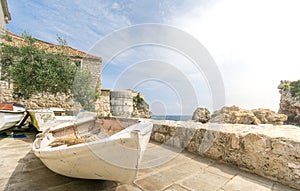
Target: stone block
x,y
159,137
235,141
254,143
193,147
164,129
280,147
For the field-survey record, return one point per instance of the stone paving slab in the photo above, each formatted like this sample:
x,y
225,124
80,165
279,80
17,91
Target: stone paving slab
x,y
243,183
191,172
164,169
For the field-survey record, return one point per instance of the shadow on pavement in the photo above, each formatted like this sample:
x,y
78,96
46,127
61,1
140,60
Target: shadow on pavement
x,y
31,174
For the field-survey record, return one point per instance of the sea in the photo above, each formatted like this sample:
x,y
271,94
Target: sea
x,y
172,117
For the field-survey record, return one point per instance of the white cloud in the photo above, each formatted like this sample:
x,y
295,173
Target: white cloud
x,y
255,44
79,22
115,5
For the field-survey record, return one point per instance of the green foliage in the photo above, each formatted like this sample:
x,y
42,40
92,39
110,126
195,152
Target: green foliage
x,y
295,88
84,91
286,86
33,70
138,99
61,41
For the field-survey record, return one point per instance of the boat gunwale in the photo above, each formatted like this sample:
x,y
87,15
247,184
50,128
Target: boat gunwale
x,y
14,112
124,134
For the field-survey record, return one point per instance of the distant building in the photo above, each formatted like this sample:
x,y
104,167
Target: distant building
x,y
4,15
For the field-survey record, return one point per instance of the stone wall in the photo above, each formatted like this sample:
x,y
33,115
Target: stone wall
x,y
266,150
46,101
94,65
40,101
103,104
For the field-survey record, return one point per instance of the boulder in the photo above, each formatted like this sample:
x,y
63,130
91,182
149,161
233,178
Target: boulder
x,y
201,115
236,115
266,116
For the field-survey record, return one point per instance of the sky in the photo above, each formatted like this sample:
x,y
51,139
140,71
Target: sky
x,y
207,53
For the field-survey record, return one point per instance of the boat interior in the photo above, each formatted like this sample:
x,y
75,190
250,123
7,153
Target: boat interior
x,y
83,131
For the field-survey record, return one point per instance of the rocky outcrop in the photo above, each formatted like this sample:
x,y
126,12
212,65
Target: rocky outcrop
x,y
140,108
201,115
266,150
236,115
290,100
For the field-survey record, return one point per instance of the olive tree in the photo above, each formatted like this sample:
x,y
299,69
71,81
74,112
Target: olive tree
x,y
36,70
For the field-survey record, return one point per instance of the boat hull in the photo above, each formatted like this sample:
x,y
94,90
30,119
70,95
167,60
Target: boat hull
x,y
8,119
116,157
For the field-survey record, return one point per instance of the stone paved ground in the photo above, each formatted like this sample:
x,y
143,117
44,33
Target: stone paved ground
x,y
163,170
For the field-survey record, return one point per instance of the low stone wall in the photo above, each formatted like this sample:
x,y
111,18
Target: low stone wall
x,y
40,101
266,150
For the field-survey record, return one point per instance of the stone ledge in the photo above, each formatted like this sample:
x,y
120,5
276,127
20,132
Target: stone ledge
x,y
266,150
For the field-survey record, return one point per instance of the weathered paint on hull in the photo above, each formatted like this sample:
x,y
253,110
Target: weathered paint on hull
x,y
113,158
9,119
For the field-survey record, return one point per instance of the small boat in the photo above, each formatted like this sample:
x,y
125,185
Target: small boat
x,y
42,119
107,149
10,115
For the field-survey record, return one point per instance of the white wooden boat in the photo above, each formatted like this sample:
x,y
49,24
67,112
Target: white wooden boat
x,y
43,119
106,149
10,115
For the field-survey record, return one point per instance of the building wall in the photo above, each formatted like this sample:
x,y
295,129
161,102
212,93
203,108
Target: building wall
x,y
4,14
94,65
2,18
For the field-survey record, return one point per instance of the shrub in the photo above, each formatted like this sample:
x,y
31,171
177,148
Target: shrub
x,y
295,89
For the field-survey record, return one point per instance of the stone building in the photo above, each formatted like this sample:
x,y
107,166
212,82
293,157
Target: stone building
x,y
4,15
42,101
